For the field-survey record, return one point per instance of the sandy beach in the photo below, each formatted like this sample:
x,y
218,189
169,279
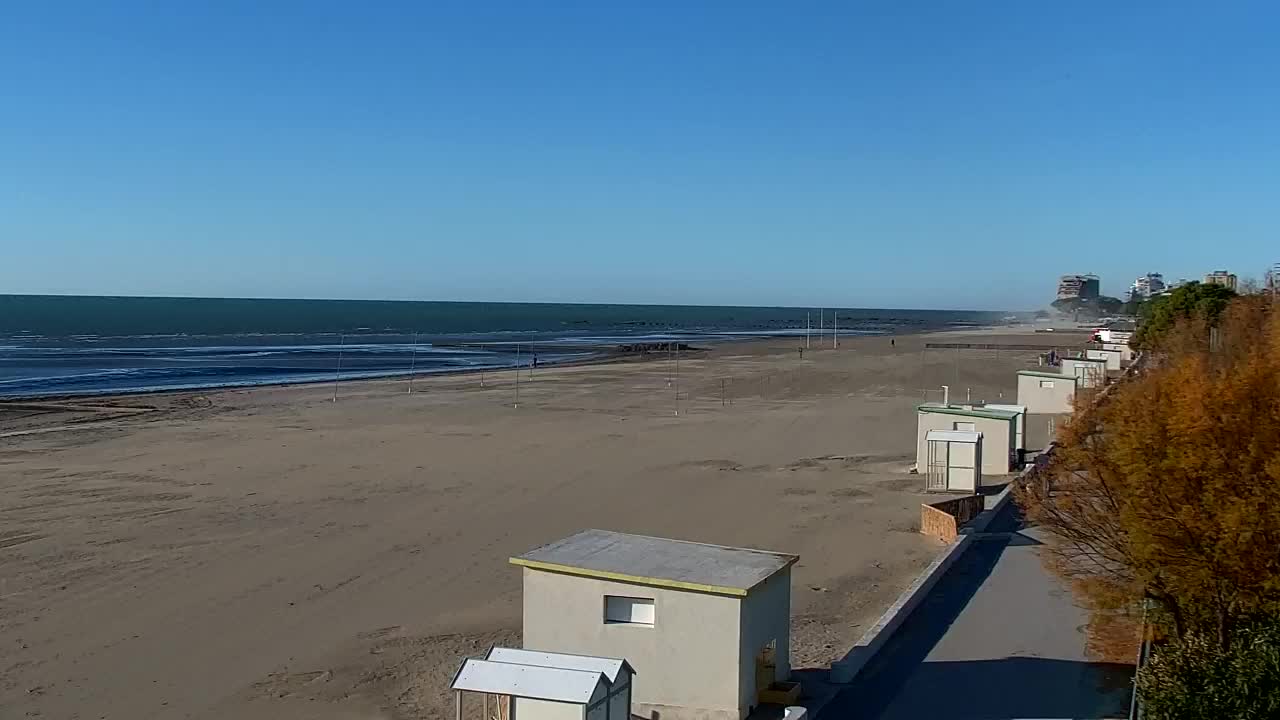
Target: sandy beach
x,y
270,553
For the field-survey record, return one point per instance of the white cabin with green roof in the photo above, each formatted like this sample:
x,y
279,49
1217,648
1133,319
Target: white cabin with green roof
x,y
1046,393
999,429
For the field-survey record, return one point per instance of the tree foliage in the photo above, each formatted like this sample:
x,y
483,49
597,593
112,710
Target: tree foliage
x,y
1193,679
1160,314
1169,489
1091,307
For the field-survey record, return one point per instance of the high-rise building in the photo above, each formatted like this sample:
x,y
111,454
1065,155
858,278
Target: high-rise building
x,y
1078,287
1221,277
1147,285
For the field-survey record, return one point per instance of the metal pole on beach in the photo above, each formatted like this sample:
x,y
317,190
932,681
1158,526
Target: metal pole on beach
x,y
835,330
337,374
413,362
517,401
806,330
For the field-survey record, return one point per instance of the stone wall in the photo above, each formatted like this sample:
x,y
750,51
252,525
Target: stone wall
x,y
944,519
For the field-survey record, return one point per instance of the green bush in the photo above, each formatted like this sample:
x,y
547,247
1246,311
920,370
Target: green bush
x,y
1159,314
1193,679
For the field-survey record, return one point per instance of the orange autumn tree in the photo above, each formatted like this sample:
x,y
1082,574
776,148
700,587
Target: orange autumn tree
x,y
1170,488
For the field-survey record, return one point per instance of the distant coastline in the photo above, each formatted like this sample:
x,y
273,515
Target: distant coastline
x,y
65,346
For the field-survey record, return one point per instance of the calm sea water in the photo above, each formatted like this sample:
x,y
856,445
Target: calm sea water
x,y
74,345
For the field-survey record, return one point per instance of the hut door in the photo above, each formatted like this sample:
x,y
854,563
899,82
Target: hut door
x,y
935,477
963,467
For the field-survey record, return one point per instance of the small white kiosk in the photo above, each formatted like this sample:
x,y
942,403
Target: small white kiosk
x,y
534,685
1089,373
1046,392
953,461
1126,352
1112,358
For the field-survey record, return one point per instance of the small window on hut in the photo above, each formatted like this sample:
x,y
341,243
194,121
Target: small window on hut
x,y
628,610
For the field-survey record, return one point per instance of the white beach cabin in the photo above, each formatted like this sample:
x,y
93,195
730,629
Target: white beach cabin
x,y
533,685
953,461
998,429
1126,352
1046,393
707,628
1088,372
1020,425
1112,358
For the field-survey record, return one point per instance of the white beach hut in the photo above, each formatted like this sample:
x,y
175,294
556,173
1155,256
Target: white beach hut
x,y
533,685
1112,358
1088,372
998,428
1046,392
953,461
1126,352
1019,422
708,628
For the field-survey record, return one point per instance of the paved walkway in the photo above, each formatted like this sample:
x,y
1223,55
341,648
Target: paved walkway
x,y
998,638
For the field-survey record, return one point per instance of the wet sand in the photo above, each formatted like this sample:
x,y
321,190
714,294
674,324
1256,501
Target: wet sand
x,y
269,553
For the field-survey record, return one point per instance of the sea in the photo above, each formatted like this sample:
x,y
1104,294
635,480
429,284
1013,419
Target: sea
x,y
92,345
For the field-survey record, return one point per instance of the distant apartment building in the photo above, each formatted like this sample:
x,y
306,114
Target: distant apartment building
x,y
1273,279
1147,285
1078,287
1221,277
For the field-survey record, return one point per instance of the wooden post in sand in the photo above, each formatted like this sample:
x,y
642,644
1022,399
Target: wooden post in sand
x,y
835,330
516,404
413,362
806,331
337,374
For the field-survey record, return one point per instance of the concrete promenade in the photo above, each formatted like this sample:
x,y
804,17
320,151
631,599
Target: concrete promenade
x,y
998,638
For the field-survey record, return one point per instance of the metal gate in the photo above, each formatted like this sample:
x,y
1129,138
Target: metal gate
x,y
935,477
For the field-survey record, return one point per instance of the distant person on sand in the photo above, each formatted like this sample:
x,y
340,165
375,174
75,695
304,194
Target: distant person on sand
x,y
890,342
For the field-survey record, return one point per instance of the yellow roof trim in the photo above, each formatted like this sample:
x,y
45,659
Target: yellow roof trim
x,y
623,577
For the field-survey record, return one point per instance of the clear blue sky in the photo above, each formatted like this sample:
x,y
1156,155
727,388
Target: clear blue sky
x,y
890,153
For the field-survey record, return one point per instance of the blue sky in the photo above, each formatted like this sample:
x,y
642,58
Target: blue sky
x,y
893,153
